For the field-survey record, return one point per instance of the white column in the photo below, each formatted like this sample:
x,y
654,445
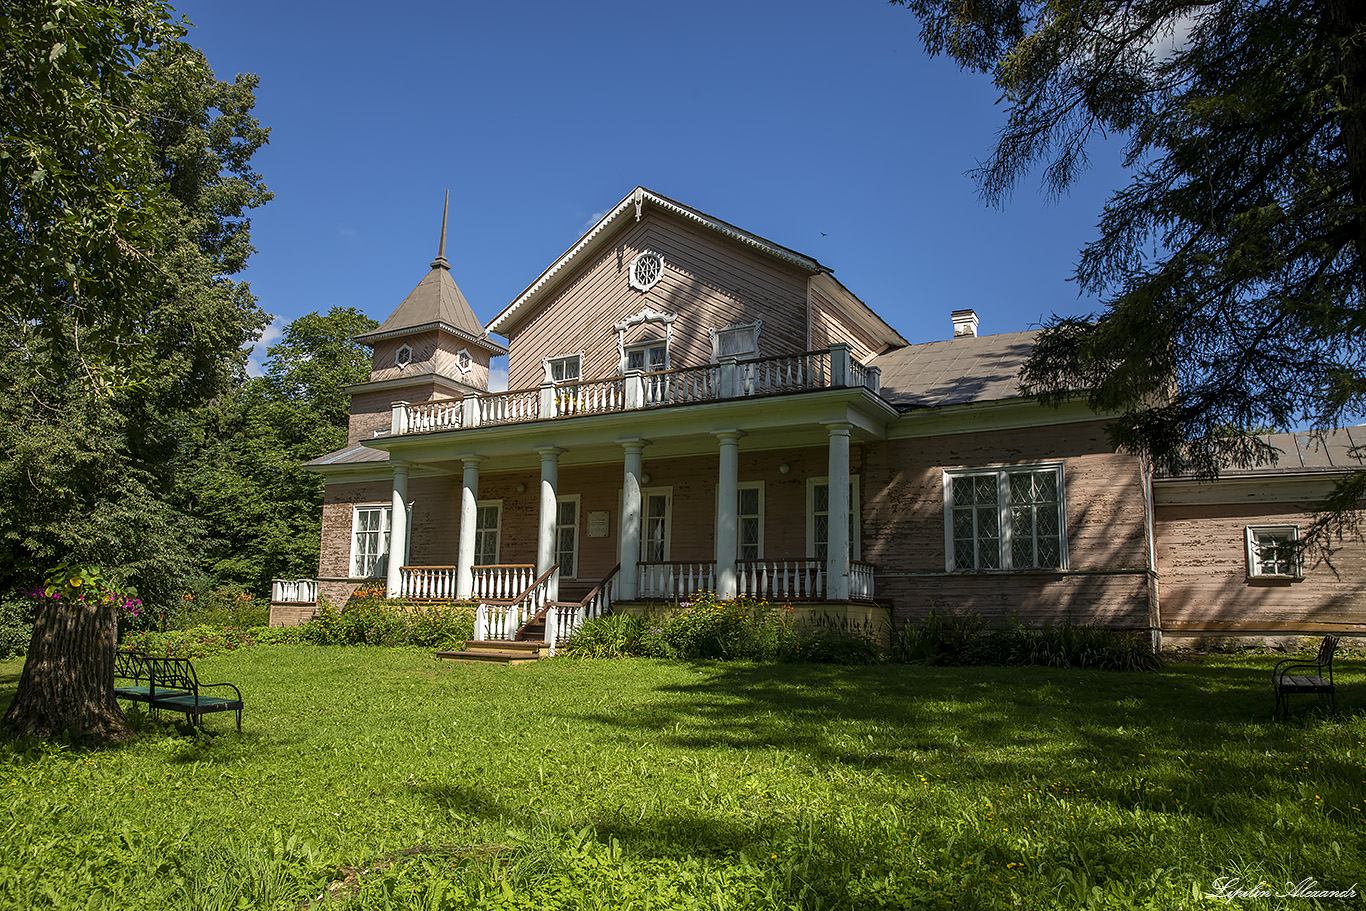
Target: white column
x,y
837,554
727,505
398,532
469,511
629,533
545,536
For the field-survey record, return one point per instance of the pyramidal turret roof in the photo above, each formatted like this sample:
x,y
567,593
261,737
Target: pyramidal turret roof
x,y
436,303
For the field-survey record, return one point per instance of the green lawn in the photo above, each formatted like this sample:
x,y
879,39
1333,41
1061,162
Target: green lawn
x,y
647,784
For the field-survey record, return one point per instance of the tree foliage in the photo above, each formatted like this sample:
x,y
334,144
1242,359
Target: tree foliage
x,y
125,167
260,508
1231,265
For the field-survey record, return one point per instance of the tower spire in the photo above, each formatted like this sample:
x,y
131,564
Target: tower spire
x,y
441,261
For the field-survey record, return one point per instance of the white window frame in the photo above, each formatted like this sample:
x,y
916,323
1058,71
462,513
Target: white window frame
x,y
735,329
381,557
668,494
577,500
633,271
548,363
855,514
1001,474
740,517
644,347
1254,561
403,356
464,361
497,532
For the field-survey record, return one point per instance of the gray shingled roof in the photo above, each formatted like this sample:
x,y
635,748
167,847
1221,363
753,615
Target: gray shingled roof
x,y
959,371
436,299
1313,450
354,454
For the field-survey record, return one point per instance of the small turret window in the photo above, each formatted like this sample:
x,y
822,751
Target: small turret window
x,y
463,360
403,356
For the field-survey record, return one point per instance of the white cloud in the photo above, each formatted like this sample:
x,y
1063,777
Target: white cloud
x,y
498,378
257,353
594,219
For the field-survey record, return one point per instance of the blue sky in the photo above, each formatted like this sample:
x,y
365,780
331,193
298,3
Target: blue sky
x,y
821,126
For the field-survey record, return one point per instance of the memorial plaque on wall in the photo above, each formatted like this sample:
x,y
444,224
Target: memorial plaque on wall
x,y
597,524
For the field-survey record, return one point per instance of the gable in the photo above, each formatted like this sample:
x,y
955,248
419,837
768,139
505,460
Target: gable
x,y
709,281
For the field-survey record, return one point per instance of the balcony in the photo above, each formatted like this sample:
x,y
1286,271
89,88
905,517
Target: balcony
x,y
731,379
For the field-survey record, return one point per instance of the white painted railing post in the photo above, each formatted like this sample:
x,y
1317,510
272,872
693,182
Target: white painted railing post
x,y
469,411
633,392
399,424
728,379
839,364
874,379
549,407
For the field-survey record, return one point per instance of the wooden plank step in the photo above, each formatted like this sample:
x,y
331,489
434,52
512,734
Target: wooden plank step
x,y
490,657
503,645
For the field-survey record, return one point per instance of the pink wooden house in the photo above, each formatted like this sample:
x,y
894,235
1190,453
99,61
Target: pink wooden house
x,y
693,407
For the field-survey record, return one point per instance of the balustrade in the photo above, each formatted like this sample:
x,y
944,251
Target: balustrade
x,y
438,414
786,580
502,582
427,583
861,581
676,580
294,591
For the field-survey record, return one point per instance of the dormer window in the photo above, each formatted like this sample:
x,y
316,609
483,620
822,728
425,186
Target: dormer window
x,y
403,356
648,357
646,269
737,340
565,369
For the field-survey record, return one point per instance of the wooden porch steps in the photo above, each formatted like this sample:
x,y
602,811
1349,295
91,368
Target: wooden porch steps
x,y
497,651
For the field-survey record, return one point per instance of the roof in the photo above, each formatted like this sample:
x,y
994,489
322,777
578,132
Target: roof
x,y
1310,450
958,371
436,303
600,233
355,454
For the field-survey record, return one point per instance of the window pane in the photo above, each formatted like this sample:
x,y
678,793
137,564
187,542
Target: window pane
x,y
963,555
1046,486
962,523
985,488
1050,553
749,501
657,357
635,360
821,498
1021,488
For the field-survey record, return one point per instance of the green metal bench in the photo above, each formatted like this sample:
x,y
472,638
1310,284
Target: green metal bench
x,y
171,684
1296,676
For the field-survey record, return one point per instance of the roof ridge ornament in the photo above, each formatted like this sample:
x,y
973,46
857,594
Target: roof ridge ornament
x,y
640,201
441,262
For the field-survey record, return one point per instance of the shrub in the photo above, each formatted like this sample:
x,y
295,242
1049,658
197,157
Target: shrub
x,y
741,628
956,638
612,636
368,619
16,625
210,605
832,640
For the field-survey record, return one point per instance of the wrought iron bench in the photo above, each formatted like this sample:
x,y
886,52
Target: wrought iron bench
x,y
1292,676
171,684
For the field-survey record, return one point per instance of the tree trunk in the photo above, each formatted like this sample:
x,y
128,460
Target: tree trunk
x,y
67,688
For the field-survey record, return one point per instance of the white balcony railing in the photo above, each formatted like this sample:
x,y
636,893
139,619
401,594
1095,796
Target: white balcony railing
x,y
293,591
795,580
502,582
730,379
861,581
675,580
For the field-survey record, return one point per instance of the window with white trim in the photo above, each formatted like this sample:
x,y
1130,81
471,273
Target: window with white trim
x,y
737,340
749,520
646,269
1005,519
647,357
656,508
488,521
818,518
403,356
567,535
369,540
565,369
1274,551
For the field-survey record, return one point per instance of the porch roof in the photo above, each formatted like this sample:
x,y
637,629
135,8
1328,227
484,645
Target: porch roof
x,y
355,454
960,371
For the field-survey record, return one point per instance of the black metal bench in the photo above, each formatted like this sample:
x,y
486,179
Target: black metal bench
x,y
171,684
1294,676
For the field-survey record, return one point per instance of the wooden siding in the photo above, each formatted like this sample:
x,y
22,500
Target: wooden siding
x,y
708,281
1205,585
432,352
1106,581
372,411
829,325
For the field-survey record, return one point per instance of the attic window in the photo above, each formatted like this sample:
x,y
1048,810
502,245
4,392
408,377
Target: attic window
x,y
403,356
463,360
646,269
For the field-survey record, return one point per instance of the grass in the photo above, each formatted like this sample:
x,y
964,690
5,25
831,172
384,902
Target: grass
x,y
648,784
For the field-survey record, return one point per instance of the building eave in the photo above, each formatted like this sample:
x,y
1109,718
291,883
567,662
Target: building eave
x,y
488,344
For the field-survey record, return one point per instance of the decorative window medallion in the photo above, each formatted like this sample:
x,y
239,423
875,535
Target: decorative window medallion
x,y
403,356
463,361
646,269
1273,551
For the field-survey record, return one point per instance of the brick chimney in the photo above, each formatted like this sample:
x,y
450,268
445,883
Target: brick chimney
x,y
964,323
